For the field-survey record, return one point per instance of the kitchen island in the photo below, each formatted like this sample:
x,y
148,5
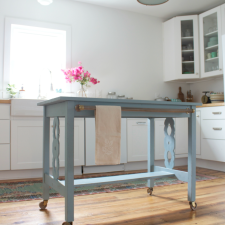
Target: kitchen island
x,y
72,107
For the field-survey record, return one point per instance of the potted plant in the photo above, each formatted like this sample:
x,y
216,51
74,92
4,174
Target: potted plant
x,y
12,90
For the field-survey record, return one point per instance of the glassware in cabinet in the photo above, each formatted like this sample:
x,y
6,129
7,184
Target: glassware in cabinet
x,y
187,49
210,43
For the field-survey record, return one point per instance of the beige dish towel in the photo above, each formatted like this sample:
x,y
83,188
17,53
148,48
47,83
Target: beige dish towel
x,y
107,135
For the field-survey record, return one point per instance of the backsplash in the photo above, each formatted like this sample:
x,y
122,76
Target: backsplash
x,y
214,84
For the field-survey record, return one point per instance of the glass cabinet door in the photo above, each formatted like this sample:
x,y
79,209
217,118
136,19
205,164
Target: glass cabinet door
x,y
210,43
188,49
187,41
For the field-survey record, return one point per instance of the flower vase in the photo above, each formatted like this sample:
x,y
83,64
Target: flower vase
x,y
82,92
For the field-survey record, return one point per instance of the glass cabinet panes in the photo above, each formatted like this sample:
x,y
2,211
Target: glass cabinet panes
x,y
187,47
211,46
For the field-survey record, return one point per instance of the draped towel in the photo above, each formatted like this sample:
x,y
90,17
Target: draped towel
x,y
107,135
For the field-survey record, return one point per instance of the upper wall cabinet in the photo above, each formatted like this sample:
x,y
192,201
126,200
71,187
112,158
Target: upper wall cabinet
x,y
210,24
181,48
223,18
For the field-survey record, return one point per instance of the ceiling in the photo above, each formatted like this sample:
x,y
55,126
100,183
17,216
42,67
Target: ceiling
x,y
165,11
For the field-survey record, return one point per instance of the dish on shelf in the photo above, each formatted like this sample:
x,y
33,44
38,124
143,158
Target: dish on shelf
x,y
213,54
188,72
212,43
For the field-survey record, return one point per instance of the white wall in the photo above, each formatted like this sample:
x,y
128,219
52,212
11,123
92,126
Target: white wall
x,y
121,49
214,84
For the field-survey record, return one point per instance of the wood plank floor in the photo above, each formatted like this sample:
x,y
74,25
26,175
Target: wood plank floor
x,y
168,205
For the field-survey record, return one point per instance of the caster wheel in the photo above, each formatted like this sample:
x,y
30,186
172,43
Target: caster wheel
x,y
193,206
43,204
149,191
67,223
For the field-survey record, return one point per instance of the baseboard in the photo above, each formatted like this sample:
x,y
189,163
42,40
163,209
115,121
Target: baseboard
x,y
208,164
143,165
102,169
35,173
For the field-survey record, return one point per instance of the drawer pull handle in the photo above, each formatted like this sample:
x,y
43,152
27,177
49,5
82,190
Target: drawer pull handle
x,y
141,122
197,116
216,113
217,128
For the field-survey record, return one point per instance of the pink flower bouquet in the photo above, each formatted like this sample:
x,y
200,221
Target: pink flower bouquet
x,y
78,74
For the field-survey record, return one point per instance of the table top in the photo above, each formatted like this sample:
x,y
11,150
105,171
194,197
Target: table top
x,y
113,101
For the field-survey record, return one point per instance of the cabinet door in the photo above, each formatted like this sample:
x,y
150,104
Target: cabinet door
x,y
4,131
5,157
5,111
26,144
198,132
27,138
137,139
159,138
223,18
181,136
187,56
90,141
211,43
78,142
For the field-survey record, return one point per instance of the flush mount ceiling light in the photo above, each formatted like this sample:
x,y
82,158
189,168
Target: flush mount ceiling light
x,y
45,2
152,2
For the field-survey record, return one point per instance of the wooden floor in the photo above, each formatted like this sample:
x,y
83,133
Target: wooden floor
x,y
168,205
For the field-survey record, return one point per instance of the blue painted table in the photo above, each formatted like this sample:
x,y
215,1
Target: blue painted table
x,y
71,107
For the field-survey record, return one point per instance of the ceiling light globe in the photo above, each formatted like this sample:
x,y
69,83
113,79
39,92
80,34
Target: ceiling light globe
x,y
152,2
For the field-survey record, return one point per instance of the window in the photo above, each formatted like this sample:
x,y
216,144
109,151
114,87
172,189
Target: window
x,y
35,53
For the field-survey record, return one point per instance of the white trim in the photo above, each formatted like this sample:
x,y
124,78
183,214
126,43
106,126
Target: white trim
x,y
35,173
209,164
7,39
143,164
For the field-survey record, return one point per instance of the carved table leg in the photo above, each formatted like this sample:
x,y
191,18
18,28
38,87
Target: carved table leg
x,y
169,142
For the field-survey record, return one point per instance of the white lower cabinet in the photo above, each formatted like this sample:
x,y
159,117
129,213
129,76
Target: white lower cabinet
x,y
5,157
4,131
26,144
212,134
78,142
181,136
137,139
159,139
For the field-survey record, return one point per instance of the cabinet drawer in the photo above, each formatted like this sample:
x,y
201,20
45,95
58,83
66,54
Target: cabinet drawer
x,y
4,111
213,113
4,131
213,129
213,150
5,157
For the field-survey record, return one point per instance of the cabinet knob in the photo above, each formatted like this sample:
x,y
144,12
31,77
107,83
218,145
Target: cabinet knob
x,y
196,73
197,116
220,69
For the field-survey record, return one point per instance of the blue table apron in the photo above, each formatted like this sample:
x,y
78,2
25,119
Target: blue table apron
x,y
69,108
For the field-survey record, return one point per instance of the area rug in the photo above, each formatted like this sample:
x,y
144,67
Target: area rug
x,y
31,190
